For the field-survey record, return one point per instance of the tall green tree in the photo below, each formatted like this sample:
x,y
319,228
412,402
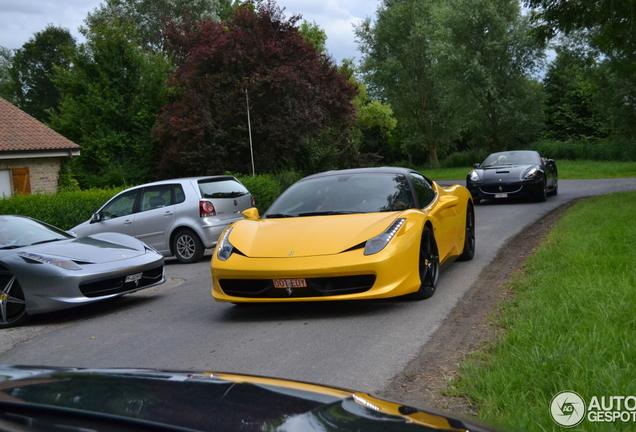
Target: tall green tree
x,y
400,68
111,94
487,58
608,26
294,93
32,70
315,35
571,88
6,83
151,16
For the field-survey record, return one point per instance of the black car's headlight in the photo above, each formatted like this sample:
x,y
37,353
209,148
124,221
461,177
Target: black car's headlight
x,y
532,173
224,248
474,176
377,243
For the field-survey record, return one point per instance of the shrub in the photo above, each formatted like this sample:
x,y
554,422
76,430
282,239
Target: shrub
x,y
601,149
264,188
465,159
63,210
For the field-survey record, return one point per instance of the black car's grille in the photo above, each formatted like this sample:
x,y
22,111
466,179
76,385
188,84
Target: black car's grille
x,y
316,287
119,285
501,188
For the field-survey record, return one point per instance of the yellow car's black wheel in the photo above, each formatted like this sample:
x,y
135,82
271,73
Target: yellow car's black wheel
x,y
12,301
428,266
469,236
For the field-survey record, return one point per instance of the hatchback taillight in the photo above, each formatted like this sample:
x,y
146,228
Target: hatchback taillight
x,y
253,202
206,209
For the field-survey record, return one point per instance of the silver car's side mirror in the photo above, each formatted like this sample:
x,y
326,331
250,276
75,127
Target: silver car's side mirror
x,y
96,217
476,165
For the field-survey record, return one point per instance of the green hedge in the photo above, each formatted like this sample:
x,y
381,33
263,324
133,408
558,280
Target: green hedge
x,y
597,149
264,189
64,209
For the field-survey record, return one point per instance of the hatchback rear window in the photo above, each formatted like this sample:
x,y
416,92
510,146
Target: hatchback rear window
x,y
223,188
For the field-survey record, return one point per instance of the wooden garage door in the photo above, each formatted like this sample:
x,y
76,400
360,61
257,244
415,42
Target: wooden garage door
x,y
21,181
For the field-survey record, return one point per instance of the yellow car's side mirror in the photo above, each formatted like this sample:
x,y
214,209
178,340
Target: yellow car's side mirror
x,y
251,213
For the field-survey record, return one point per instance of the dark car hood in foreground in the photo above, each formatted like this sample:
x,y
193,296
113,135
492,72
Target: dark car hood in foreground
x,y
140,399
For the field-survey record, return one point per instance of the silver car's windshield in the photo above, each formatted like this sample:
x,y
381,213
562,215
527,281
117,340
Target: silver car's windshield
x,y
343,194
18,231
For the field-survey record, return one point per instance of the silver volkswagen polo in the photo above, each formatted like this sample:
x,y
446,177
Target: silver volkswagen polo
x,y
180,217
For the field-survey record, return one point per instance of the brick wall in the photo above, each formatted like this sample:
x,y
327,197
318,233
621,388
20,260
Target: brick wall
x,y
43,172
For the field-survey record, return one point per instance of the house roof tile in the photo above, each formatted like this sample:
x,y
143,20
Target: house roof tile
x,y
21,132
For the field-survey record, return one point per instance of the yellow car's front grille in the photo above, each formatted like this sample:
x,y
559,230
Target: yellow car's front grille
x,y
316,287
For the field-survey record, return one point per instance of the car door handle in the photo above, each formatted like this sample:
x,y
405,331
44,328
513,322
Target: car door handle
x,y
127,222
168,213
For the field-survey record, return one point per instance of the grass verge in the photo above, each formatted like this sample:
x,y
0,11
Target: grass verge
x,y
570,326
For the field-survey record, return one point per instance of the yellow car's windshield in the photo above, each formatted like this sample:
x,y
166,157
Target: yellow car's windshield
x,y
342,194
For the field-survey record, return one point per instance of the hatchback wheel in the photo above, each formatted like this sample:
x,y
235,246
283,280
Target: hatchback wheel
x,y
187,246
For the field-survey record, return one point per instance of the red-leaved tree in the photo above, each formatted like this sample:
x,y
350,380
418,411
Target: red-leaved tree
x,y
294,93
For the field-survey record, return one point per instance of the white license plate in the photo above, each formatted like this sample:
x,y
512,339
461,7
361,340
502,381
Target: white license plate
x,y
290,283
501,195
134,278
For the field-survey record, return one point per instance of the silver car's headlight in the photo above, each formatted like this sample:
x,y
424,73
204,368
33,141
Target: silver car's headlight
x,y
532,173
377,243
59,262
474,176
224,248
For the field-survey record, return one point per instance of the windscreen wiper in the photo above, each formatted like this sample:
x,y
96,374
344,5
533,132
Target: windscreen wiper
x,y
278,216
47,241
328,213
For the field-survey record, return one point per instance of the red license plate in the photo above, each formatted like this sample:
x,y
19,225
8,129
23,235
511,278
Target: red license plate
x,y
501,196
290,283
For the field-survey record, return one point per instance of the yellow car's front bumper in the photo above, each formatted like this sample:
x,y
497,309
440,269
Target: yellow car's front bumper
x,y
395,272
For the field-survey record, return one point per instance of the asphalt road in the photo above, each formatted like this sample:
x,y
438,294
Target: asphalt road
x,y
359,345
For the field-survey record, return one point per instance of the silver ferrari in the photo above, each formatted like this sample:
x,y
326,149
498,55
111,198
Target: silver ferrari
x,y
43,268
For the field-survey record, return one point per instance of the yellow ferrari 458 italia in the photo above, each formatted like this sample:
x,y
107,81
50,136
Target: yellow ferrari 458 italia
x,y
346,235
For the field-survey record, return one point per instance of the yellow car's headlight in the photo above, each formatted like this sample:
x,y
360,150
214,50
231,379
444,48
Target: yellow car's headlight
x,y
379,242
224,248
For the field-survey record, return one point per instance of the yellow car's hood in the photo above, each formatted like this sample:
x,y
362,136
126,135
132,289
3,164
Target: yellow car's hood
x,y
307,236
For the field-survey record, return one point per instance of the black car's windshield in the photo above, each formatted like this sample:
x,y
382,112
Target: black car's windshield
x,y
522,157
344,194
18,231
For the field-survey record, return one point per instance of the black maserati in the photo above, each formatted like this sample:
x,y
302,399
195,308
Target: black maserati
x,y
522,173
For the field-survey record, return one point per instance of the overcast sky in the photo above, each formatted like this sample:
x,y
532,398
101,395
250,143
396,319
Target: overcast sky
x,y
20,19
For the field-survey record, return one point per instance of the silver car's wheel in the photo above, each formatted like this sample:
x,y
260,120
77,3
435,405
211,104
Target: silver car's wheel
x,y
12,301
187,247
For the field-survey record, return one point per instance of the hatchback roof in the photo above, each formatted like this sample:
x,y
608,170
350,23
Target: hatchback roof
x,y
161,182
